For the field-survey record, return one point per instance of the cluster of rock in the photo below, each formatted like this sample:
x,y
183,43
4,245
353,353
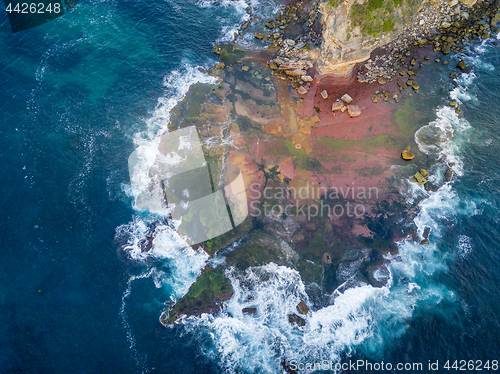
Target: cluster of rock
x,y
344,104
293,318
293,68
446,27
294,56
421,176
385,96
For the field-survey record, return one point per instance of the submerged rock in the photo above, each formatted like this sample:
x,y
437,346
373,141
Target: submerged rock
x,y
326,259
462,64
447,175
293,318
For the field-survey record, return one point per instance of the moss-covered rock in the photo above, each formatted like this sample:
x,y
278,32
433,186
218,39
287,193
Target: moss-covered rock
x,y
206,295
259,249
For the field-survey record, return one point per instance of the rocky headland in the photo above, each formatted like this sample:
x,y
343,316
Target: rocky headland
x,y
315,121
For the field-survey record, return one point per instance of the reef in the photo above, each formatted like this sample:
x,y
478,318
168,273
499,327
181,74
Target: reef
x,y
313,121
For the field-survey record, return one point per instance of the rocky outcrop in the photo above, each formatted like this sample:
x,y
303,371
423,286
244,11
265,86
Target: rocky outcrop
x,y
352,30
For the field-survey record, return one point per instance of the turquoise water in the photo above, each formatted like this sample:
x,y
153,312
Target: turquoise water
x,y
80,93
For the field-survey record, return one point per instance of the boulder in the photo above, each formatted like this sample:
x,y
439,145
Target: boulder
x,y
415,86
249,310
420,178
302,90
245,68
272,25
346,98
326,259
306,78
324,94
462,64
468,3
293,318
424,173
495,20
295,72
453,103
220,65
302,307
337,105
447,175
259,35
353,111
424,242
407,154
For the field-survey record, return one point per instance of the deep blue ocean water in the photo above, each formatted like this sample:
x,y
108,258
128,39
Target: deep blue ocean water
x,y
80,93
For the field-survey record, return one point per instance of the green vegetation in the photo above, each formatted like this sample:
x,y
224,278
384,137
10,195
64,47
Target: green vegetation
x,y
388,25
374,16
333,3
210,287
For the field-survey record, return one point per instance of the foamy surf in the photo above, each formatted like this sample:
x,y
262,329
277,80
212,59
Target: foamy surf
x,y
263,9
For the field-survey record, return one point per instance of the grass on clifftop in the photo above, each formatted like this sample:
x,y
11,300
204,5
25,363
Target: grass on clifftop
x,y
375,16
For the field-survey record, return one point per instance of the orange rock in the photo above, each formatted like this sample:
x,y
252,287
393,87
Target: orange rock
x,y
407,154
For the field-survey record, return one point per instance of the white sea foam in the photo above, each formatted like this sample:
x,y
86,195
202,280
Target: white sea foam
x,y
464,245
439,138
229,26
